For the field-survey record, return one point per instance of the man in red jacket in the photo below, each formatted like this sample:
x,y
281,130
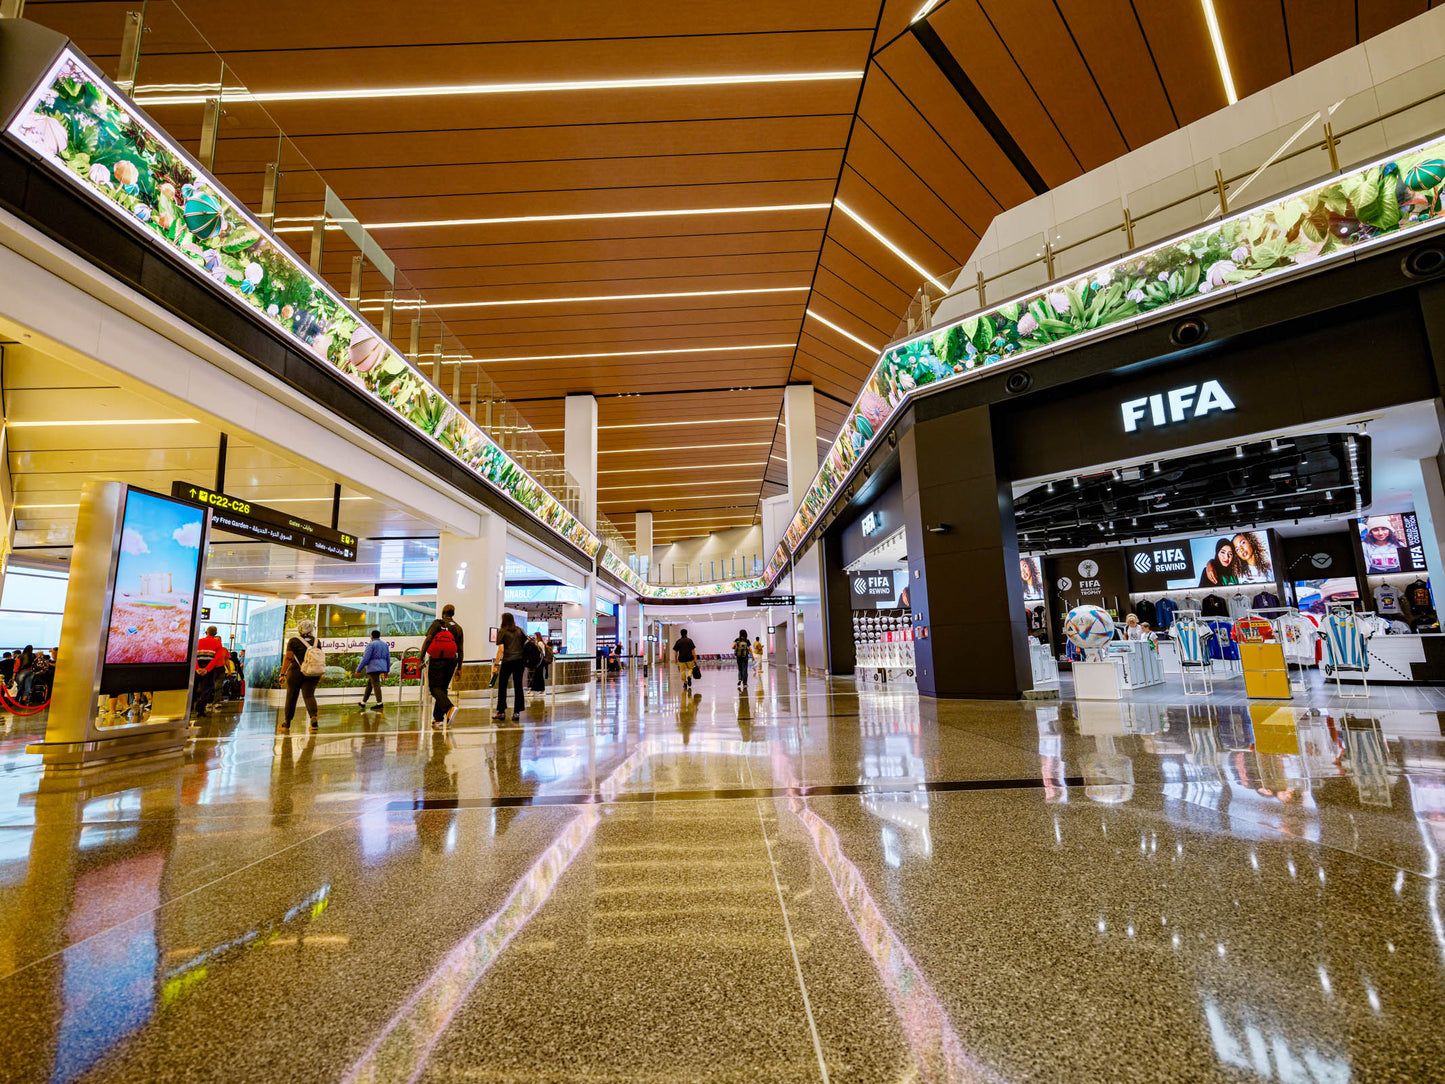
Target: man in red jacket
x,y
211,659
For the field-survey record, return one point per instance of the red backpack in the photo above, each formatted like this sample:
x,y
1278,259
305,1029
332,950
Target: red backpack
x,y
443,645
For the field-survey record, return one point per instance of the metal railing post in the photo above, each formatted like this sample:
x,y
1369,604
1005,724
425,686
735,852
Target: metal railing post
x,y
129,43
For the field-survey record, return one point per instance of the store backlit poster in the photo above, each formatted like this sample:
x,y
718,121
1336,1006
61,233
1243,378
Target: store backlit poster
x,y
1032,571
1222,560
1392,544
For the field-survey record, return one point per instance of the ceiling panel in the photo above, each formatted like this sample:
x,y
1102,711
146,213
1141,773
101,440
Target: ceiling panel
x,y
1070,84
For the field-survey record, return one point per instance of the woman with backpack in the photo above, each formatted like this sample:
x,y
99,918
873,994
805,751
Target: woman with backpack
x,y
301,667
743,652
443,651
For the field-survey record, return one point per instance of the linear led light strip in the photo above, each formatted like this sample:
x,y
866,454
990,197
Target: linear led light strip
x,y
274,500
1216,38
846,334
157,95
596,297
640,353
679,466
889,245
585,216
73,423
666,425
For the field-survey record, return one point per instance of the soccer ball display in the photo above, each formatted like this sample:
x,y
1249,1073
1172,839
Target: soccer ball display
x,y
1088,627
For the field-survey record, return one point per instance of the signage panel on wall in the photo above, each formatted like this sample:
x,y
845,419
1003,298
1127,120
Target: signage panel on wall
x,y
1392,544
1223,560
240,516
879,588
872,523
772,600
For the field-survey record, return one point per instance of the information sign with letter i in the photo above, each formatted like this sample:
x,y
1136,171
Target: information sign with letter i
x,y
128,635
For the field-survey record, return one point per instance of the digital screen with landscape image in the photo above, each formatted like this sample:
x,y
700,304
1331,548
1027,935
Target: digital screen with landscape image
x,y
155,581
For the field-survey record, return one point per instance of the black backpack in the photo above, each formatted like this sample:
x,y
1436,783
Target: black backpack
x,y
742,649
531,655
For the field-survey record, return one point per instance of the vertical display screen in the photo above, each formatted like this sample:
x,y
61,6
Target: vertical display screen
x,y
1392,544
151,633
1032,572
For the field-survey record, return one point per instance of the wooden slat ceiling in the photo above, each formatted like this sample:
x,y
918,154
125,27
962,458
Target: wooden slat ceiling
x,y
913,146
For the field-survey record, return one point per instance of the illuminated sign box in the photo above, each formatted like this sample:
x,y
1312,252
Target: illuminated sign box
x,y
240,516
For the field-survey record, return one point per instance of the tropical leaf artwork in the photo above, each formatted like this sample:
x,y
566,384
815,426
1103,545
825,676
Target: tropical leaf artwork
x,y
1385,198
86,131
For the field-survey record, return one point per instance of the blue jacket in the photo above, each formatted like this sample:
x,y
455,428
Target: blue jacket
x,y
376,659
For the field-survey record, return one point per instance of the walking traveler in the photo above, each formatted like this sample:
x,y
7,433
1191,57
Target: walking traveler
x,y
210,665
685,654
442,649
758,654
510,641
375,661
533,658
302,666
743,652
24,673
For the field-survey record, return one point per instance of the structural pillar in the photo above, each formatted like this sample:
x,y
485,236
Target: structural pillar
x,y
805,622
643,545
1428,492
963,561
801,419
579,452
471,575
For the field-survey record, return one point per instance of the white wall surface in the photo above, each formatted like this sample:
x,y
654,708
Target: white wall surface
x,y
715,546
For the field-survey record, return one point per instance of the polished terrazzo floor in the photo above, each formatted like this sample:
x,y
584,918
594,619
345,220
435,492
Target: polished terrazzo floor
x,y
803,883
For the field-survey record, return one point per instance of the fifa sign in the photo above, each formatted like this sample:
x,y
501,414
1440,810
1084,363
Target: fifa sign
x,y
1181,404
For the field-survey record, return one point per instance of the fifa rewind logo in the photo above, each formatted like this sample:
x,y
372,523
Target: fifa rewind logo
x,y
1161,408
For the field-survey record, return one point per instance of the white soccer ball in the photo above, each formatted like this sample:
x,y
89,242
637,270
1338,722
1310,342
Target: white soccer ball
x,y
1088,627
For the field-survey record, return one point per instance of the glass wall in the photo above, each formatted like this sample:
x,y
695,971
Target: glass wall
x,y
31,603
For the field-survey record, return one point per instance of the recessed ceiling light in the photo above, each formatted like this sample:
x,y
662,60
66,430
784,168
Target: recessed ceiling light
x,y
158,94
305,225
641,353
846,334
673,467
72,423
1216,38
924,10
689,447
577,300
889,245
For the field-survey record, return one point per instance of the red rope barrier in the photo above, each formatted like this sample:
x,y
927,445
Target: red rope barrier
x,y
15,708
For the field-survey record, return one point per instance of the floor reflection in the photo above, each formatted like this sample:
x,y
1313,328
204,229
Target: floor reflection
x,y
1263,875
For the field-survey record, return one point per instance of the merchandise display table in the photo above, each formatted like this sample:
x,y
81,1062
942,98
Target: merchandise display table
x,y
1045,666
1402,659
1140,661
1102,680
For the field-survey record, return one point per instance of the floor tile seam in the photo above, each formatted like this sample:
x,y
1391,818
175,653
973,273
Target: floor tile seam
x,y
1284,836
806,791
792,943
173,900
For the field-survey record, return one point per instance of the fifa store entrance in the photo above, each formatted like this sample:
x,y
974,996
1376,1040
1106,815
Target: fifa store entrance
x,y
1272,456
1317,543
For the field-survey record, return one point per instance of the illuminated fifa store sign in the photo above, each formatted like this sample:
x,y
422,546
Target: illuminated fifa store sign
x,y
1181,404
872,524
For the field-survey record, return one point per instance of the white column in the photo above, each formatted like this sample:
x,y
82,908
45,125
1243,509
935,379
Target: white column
x,y
1428,493
643,545
579,451
809,649
591,623
471,575
802,438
